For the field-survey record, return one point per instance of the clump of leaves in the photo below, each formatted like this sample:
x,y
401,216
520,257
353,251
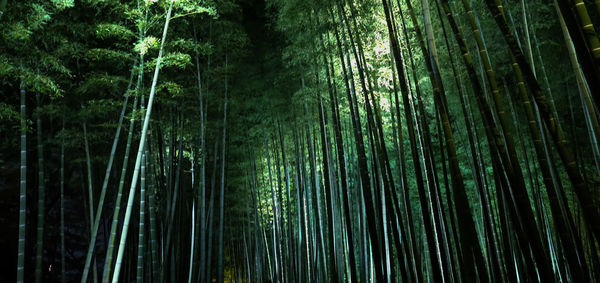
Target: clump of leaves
x,y
103,55
5,66
191,46
8,114
175,59
171,88
98,83
189,7
52,63
40,83
146,44
105,31
63,4
38,17
17,32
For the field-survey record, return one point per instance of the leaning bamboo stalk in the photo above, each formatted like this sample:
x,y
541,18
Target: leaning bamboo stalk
x,y
138,160
565,151
115,219
584,90
98,216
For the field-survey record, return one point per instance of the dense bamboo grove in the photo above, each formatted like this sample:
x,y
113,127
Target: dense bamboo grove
x,y
300,141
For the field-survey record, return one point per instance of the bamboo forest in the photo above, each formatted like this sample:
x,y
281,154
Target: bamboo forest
x,y
299,141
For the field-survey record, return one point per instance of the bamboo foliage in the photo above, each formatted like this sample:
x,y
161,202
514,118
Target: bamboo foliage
x,y
303,141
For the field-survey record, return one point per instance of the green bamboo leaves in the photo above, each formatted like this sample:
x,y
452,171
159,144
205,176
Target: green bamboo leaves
x,y
302,140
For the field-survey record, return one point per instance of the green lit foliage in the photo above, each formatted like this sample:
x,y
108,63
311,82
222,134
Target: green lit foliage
x,y
146,44
190,7
107,31
100,83
171,88
63,4
171,60
110,57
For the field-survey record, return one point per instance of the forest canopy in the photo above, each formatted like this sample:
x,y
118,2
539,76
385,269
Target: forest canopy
x,y
300,141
